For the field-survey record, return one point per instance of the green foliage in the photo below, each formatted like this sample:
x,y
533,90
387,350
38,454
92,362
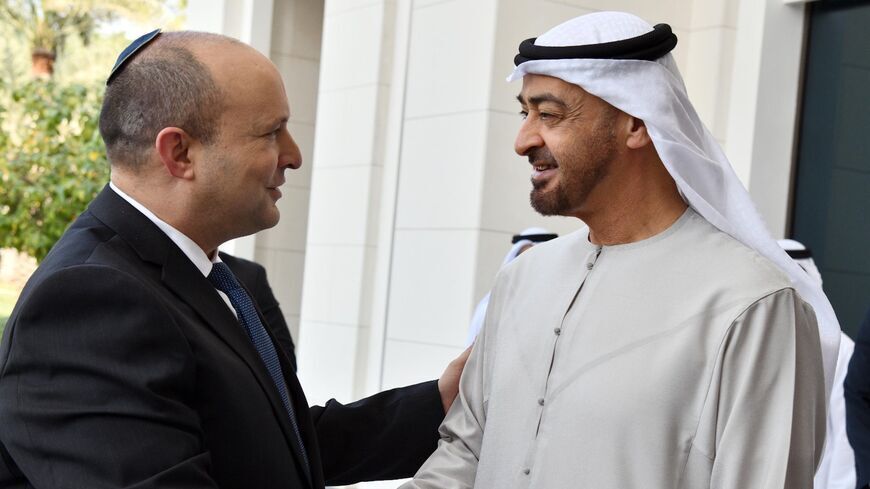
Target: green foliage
x,y
14,54
52,161
48,24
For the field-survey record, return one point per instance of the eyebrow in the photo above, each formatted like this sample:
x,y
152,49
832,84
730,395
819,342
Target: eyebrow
x,y
277,121
539,99
258,128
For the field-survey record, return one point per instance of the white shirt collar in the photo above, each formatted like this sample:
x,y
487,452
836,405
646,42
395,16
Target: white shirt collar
x,y
190,249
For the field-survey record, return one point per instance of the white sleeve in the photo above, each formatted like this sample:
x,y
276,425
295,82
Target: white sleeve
x,y
770,414
454,463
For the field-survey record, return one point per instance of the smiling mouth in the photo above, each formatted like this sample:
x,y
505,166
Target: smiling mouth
x,y
542,171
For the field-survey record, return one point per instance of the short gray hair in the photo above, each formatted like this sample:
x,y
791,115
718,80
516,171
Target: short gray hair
x,y
165,85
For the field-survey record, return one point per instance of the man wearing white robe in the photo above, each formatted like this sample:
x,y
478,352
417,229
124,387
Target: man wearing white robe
x,y
669,344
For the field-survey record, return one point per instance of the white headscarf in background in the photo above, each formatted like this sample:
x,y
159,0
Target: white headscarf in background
x,y
802,256
654,92
837,467
480,311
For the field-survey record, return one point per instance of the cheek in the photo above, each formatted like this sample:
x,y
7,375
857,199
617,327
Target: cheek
x,y
265,159
572,152
563,143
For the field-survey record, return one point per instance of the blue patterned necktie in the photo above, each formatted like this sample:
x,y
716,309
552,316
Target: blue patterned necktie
x,y
223,279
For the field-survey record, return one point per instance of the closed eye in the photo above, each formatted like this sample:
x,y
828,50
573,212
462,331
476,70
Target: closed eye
x,y
273,133
275,130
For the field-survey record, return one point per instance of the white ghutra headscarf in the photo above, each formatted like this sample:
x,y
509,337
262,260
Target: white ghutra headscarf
x,y
654,92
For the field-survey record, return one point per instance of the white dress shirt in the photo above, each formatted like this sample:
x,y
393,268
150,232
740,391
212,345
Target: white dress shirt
x,y
187,246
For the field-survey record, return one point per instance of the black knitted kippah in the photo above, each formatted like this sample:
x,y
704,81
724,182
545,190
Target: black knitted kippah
x,y
129,51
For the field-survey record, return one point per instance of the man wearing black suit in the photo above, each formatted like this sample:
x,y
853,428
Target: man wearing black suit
x,y
133,358
857,391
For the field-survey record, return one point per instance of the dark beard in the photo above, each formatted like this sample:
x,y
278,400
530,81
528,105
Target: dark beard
x,y
546,205
561,201
555,203
573,188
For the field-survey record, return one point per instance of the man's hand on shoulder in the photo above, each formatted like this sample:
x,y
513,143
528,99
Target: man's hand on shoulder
x,y
448,384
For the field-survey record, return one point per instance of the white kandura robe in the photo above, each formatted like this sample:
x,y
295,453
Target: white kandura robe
x,y
686,361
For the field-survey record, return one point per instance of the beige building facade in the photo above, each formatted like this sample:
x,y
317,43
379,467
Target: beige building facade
x,y
396,224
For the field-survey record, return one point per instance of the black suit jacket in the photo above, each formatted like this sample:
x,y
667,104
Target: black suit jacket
x,y
121,366
253,277
857,392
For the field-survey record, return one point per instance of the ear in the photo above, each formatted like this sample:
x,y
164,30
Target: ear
x,y
172,145
637,136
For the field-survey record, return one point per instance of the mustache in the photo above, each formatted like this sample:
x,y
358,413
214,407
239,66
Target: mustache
x,y
542,155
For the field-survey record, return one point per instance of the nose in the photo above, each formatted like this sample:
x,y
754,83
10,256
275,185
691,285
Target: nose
x,y
528,138
290,154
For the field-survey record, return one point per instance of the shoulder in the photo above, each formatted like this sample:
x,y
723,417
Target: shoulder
x,y
88,256
82,308
92,272
719,261
78,243
722,274
777,319
97,292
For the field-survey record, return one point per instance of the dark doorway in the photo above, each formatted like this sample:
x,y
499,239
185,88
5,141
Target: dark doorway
x,y
832,188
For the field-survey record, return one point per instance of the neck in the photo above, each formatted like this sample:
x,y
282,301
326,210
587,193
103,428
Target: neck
x,y
163,203
635,209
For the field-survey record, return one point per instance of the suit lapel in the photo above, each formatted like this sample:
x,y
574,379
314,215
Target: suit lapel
x,y
301,408
186,281
306,425
195,290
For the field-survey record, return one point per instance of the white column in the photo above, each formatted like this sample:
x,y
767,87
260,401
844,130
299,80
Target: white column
x,y
707,46
296,28
342,243
440,187
206,15
257,24
764,104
